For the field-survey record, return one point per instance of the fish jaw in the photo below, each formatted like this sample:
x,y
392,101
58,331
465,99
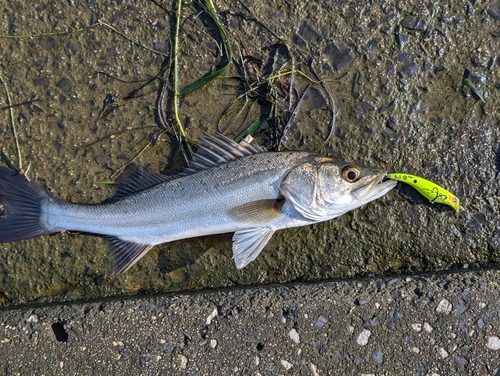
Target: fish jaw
x,y
376,189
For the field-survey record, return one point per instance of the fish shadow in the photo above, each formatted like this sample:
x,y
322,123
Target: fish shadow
x,y
182,253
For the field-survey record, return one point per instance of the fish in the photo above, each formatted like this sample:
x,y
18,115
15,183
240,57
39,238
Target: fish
x,y
227,187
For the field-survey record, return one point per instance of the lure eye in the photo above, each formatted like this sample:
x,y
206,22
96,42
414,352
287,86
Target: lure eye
x,y
351,174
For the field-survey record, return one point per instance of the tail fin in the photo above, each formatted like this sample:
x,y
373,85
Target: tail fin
x,y
20,207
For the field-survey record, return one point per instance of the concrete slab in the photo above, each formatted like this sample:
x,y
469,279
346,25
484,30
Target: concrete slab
x,y
420,325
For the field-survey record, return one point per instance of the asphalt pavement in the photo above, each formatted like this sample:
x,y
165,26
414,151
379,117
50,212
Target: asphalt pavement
x,y
440,324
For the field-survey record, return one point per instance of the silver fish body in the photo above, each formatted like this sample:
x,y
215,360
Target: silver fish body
x,y
228,187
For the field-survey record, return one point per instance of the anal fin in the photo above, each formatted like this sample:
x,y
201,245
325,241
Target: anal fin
x,y
247,244
123,254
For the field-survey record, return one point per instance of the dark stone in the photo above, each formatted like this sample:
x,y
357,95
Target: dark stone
x,y
309,32
404,56
299,41
410,70
315,99
387,107
372,44
65,84
414,23
118,16
402,39
73,47
494,11
390,68
427,65
341,55
47,43
362,108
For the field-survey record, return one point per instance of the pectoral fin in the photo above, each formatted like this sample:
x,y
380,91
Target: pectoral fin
x,y
258,212
247,244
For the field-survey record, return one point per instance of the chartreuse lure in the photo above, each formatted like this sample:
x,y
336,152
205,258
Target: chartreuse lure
x,y
430,190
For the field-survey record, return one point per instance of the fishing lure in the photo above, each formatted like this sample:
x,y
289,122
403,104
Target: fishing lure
x,y
428,189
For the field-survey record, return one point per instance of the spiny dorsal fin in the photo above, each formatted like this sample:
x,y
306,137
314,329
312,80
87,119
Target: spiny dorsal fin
x,y
137,179
214,150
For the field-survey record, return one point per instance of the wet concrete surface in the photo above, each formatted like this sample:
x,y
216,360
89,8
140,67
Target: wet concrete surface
x,y
445,324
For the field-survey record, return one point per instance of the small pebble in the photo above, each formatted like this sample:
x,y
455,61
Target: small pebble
x,y
410,70
402,39
32,318
493,343
294,336
427,327
442,353
213,343
461,360
358,361
314,369
286,364
363,337
362,108
183,361
212,316
414,23
319,323
416,327
444,306
378,356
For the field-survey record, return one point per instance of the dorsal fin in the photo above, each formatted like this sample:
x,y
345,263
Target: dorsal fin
x,y
136,179
214,150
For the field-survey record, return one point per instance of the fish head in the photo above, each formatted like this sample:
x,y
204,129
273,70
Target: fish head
x,y
325,188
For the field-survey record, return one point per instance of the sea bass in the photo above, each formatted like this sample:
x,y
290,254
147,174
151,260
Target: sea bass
x,y
227,187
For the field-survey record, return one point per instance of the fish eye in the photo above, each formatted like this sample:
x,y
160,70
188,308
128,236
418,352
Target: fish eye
x,y
351,174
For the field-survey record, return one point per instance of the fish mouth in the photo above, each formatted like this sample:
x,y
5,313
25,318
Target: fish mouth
x,y
378,187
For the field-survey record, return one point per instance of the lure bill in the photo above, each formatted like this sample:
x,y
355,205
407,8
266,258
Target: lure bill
x,y
430,190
